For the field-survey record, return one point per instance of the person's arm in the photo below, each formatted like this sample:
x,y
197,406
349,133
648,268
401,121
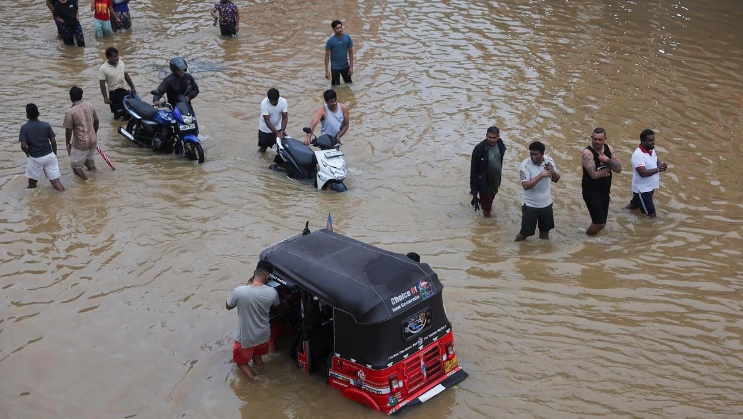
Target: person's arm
x,y
527,183
350,60
589,164
112,12
553,168
50,5
614,163
474,172
215,13
92,6
162,89
104,92
319,114
53,142
130,82
24,147
327,64
230,303
68,139
23,138
269,124
284,121
346,123
96,122
237,20
194,90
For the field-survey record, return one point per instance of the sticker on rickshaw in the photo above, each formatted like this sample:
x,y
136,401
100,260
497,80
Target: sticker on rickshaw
x,y
450,364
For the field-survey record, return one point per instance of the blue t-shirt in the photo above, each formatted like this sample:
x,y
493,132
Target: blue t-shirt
x,y
121,6
36,134
339,51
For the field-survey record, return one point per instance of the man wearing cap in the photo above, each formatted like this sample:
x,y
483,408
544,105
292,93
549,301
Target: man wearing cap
x,y
253,302
81,133
39,143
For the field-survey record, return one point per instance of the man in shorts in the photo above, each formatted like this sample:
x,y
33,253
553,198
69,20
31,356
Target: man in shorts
x,y
40,145
645,174
537,174
81,133
274,117
253,302
338,55
599,160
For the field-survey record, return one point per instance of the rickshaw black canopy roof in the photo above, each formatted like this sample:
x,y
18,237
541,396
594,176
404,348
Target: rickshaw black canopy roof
x,y
352,276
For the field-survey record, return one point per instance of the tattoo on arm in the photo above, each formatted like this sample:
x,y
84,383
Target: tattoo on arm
x,y
588,163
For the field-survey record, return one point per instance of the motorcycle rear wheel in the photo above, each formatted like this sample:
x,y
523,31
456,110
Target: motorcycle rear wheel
x,y
193,151
135,129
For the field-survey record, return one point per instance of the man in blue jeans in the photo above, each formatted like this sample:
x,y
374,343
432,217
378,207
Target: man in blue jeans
x,y
339,54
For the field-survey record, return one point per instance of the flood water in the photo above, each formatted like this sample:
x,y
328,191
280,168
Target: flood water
x,y
112,293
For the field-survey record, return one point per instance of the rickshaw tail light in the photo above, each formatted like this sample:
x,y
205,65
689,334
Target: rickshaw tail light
x,y
394,384
450,350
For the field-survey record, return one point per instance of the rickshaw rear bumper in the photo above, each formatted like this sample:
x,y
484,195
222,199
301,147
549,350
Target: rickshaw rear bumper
x,y
450,381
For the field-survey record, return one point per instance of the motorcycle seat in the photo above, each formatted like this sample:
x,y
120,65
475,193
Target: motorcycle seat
x,y
143,109
301,153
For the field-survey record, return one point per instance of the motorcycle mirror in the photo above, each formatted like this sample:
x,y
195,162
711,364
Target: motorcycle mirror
x,y
307,130
154,92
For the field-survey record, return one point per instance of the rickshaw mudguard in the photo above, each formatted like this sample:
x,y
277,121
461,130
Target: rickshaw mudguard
x,y
360,396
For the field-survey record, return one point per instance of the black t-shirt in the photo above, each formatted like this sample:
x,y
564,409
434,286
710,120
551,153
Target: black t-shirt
x,y
67,11
37,135
602,185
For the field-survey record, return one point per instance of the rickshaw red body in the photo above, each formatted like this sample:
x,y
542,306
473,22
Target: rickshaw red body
x,y
373,321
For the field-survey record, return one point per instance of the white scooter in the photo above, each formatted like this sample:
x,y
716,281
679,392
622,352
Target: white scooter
x,y
326,165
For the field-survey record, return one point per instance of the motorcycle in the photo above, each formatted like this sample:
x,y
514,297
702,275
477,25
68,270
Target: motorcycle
x,y
326,166
168,129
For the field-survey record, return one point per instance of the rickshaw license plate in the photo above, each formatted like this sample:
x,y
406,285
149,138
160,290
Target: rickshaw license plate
x,y
188,127
450,364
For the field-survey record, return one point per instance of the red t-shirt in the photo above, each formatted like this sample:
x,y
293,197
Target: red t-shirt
x,y
101,9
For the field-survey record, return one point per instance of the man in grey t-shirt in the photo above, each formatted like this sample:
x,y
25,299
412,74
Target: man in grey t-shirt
x,y
40,145
253,302
537,174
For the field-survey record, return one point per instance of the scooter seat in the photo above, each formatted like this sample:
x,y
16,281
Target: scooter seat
x,y
301,153
143,109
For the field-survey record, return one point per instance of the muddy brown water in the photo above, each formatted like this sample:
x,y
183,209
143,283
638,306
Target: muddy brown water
x,y
112,293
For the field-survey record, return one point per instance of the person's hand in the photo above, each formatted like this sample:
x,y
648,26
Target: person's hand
x,y
307,140
69,148
475,203
603,158
281,134
187,99
350,71
107,101
134,91
158,103
237,27
663,166
327,74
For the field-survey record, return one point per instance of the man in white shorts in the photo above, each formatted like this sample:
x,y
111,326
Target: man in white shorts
x,y
40,145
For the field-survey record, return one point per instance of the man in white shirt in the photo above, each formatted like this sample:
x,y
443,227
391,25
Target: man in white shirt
x,y
113,73
537,174
645,174
274,114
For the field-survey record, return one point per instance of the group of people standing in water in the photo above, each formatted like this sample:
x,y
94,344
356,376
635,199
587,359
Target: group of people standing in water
x,y
598,160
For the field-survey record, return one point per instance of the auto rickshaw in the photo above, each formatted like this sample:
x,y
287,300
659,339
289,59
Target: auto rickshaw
x,y
371,320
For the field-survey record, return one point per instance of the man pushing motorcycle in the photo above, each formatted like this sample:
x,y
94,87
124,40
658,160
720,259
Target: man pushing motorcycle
x,y
332,116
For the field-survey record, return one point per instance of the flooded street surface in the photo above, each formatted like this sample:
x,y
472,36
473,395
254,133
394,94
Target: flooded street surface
x,y
112,293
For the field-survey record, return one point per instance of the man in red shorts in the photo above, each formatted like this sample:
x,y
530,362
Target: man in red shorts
x,y
253,302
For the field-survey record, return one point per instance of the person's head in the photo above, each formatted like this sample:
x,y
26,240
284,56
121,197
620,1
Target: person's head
x,y
598,138
414,256
112,55
32,112
178,66
262,271
647,139
492,135
330,98
536,152
76,94
337,27
273,96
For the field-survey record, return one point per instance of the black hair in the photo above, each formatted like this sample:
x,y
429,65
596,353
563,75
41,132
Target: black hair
x,y
416,257
32,111
329,94
494,130
336,23
599,130
273,94
644,134
264,266
110,51
76,94
536,146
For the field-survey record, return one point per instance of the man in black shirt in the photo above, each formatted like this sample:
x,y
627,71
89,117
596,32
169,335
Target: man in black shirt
x,y
598,160
39,143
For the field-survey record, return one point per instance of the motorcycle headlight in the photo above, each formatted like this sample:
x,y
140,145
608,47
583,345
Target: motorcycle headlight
x,y
187,119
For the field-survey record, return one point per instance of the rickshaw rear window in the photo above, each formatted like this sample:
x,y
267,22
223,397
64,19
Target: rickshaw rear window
x,y
417,323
